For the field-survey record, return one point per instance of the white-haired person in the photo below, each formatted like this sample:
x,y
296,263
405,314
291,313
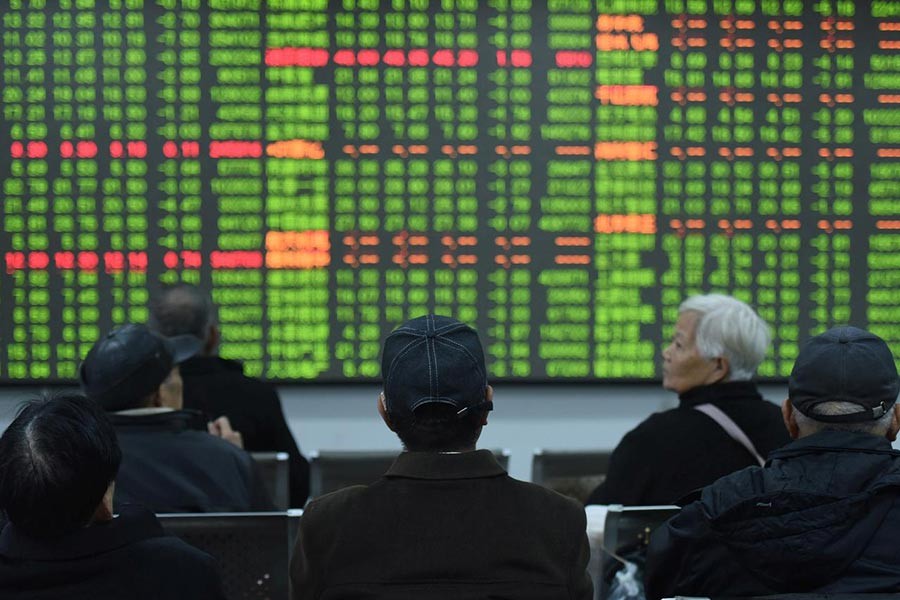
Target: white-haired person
x,y
722,423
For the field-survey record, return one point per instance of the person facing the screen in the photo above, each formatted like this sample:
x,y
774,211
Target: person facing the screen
x,y
822,516
171,463
219,388
445,521
58,464
721,424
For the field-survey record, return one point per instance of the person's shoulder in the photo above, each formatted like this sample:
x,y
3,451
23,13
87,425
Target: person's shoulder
x,y
740,487
662,424
337,500
538,497
254,387
186,570
662,438
170,551
225,370
335,505
214,447
235,369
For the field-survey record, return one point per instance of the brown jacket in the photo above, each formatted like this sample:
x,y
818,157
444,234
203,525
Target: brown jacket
x,y
442,526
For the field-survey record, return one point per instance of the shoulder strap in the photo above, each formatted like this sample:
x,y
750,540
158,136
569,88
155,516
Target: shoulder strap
x,y
731,428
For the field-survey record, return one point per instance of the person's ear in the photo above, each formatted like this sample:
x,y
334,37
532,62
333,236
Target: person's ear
x,y
489,396
790,421
104,510
156,400
722,368
213,337
895,423
382,410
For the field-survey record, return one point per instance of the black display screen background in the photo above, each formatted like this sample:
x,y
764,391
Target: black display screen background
x,y
221,147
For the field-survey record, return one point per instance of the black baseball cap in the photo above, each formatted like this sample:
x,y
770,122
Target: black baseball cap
x,y
845,364
130,362
433,359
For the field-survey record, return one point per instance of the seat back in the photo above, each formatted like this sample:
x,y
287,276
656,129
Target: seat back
x,y
630,527
273,467
627,529
252,549
331,470
574,473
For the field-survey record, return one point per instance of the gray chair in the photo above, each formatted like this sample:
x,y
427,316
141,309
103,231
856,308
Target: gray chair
x,y
331,470
273,467
574,473
253,549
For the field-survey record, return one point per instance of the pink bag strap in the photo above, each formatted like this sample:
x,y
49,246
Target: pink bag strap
x,y
731,428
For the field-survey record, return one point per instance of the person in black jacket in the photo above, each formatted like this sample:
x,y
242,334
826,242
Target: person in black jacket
x,y
717,346
446,521
822,516
171,463
244,409
58,465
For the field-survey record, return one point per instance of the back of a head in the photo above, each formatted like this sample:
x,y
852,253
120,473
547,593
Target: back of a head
x,y
435,384
730,328
182,309
844,379
57,459
129,363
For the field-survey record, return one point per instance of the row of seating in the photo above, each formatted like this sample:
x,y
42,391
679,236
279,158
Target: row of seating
x,y
253,549
573,473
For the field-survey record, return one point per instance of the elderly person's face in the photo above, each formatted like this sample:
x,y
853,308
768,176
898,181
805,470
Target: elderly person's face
x,y
683,367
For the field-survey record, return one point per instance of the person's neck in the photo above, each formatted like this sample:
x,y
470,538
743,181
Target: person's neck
x,y
724,390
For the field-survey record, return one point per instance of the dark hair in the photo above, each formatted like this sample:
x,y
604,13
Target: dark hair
x,y
436,427
57,458
182,309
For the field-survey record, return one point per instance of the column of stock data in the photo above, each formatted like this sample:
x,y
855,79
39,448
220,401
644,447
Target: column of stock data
x,y
560,174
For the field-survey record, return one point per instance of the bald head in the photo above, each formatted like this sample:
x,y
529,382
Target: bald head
x,y
184,309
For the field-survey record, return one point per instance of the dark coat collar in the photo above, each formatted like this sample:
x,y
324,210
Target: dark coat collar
x,y
176,420
132,525
435,465
204,365
835,441
719,392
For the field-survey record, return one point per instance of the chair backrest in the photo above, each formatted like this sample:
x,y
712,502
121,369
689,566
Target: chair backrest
x,y
627,529
575,473
252,549
273,467
331,470
630,526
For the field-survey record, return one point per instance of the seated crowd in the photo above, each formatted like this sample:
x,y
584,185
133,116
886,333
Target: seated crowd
x,y
801,499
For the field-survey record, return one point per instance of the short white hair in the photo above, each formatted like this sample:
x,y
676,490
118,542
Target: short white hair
x,y
729,328
809,425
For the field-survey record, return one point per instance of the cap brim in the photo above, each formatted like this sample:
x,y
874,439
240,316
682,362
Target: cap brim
x,y
184,347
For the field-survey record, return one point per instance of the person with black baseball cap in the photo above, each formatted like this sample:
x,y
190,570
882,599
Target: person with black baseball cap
x,y
823,514
170,462
445,521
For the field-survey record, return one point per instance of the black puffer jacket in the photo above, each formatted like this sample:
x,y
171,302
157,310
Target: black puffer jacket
x,y
822,516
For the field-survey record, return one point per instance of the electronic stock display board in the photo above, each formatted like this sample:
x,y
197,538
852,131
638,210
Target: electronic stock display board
x,y
558,173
